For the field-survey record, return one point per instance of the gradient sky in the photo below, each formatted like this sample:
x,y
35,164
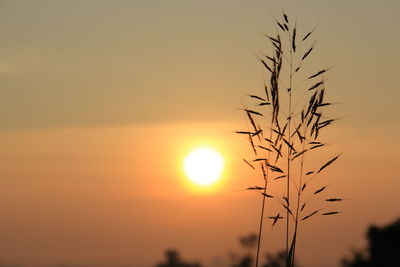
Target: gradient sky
x,y
101,100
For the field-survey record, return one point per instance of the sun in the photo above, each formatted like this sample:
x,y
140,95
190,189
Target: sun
x,y
203,166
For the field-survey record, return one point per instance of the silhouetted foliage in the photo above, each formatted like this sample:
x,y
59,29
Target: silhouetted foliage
x,y
173,260
383,248
245,259
249,241
276,260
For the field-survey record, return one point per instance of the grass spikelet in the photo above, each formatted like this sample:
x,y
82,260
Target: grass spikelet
x,y
316,146
294,39
328,163
301,138
303,187
255,188
257,97
267,195
243,132
299,154
279,154
280,177
308,35
314,143
275,219
266,65
278,50
278,150
286,27
317,74
253,112
264,174
309,215
274,40
280,25
286,200
289,145
333,199
285,17
319,190
265,148
266,92
284,129
249,164
324,104
264,104
268,140
287,208
252,144
274,168
256,133
278,132
330,213
303,206
306,54
251,121
315,86
272,59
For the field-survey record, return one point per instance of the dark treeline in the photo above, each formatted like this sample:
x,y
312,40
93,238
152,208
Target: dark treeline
x,y
242,258
382,250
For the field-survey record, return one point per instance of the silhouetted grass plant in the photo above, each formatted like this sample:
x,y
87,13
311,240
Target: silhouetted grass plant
x,y
287,120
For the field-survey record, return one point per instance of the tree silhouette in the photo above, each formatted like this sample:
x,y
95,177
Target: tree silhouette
x,y
246,259
276,260
173,260
383,248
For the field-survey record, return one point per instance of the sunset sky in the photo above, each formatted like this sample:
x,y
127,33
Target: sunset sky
x,y
101,101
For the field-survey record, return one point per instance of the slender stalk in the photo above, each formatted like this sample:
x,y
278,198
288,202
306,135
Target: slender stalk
x,y
263,204
289,120
261,224
299,195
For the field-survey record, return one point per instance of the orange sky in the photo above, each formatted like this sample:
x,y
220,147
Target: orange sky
x,y
101,100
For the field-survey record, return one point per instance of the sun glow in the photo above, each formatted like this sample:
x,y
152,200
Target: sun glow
x,y
203,166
